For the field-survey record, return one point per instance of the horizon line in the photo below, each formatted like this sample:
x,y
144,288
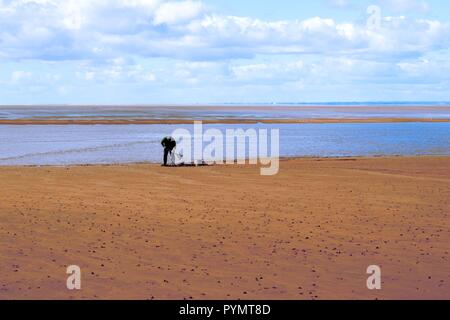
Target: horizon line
x,y
316,103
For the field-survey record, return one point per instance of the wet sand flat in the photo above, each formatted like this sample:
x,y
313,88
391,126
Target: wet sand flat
x,y
221,114
113,121
225,232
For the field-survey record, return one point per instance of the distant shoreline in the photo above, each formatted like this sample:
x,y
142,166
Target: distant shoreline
x,y
242,105
277,114
215,121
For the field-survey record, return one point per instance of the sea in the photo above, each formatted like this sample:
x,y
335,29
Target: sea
x,y
122,144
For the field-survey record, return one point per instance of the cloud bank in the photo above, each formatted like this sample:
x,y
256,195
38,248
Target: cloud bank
x,y
100,29
106,38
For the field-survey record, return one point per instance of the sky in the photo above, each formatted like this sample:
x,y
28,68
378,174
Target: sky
x,y
223,51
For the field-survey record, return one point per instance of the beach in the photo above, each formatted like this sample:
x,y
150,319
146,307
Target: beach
x,y
141,231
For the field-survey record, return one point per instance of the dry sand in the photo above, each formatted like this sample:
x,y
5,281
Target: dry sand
x,y
225,232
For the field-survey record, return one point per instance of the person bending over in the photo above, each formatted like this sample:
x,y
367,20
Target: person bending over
x,y
168,144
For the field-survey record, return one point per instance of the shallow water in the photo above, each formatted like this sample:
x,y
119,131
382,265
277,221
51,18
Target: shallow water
x,y
112,144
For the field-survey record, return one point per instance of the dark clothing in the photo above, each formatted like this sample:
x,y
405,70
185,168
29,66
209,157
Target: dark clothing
x,y
166,153
168,144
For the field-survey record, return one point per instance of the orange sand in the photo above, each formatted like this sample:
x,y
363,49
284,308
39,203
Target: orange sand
x,y
225,232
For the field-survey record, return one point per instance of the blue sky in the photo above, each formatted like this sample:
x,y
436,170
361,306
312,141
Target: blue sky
x,y
156,51
339,10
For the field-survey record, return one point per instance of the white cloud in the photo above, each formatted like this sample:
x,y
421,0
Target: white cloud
x,y
431,67
403,6
176,12
103,29
115,70
150,77
339,3
20,76
269,71
114,41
